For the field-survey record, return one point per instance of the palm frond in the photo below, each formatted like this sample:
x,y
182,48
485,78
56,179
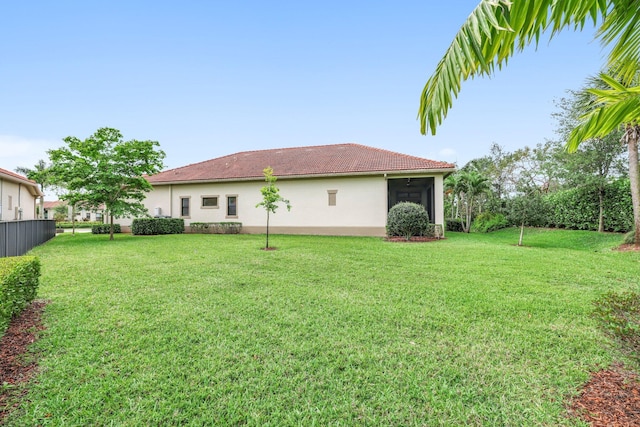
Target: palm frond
x,y
613,108
621,29
494,32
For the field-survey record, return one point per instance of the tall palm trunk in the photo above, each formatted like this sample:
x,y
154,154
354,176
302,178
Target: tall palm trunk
x,y
632,134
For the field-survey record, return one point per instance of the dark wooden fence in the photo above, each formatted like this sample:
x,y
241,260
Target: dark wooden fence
x,y
19,237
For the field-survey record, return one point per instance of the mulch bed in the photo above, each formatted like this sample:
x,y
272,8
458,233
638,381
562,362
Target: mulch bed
x,y
611,397
627,247
15,367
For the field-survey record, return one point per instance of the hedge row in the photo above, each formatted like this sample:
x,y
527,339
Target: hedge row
x,y
454,225
105,229
216,227
578,208
19,279
78,224
150,226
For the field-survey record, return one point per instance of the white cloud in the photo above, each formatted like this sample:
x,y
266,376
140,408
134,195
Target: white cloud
x,y
19,151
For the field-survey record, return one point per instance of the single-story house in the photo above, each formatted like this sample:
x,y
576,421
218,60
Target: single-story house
x,y
50,208
19,197
343,189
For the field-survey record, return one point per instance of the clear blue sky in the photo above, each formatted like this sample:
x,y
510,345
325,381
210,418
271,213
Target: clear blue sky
x,y
210,78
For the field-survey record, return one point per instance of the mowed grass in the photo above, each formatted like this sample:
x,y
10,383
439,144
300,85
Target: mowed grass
x,y
327,331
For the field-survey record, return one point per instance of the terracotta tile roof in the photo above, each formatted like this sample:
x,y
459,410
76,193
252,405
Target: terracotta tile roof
x,y
17,176
55,204
321,160
33,186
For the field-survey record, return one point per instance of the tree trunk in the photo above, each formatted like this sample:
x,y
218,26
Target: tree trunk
x,y
466,223
634,177
111,228
601,208
267,246
73,220
521,234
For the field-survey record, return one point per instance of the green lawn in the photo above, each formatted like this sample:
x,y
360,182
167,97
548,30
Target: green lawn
x,y
211,330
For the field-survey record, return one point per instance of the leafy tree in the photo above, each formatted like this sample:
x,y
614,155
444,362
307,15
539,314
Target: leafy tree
x,y
595,162
40,174
498,167
61,212
529,208
270,197
618,105
104,169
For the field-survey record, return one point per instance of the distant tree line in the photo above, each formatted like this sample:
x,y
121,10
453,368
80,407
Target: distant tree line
x,y
545,186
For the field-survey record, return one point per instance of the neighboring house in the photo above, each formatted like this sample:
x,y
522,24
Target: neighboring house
x,y
343,189
50,208
82,214
19,197
93,214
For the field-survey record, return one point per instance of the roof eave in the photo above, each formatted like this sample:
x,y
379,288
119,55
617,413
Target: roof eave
x,y
432,171
31,185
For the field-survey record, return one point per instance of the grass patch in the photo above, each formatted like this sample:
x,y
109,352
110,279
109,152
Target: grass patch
x,y
209,329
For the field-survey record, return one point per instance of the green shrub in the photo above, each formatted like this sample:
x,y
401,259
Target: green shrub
x,y
454,225
79,224
216,227
19,279
408,219
152,226
487,222
619,316
105,229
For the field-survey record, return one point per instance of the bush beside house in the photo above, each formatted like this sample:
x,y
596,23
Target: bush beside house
x,y
19,279
105,229
408,220
153,226
216,227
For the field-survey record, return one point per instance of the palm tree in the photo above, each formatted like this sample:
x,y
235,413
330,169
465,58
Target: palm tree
x,y
39,174
467,185
451,187
497,29
476,185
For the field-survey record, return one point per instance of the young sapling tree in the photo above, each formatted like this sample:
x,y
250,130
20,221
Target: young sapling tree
x,y
271,197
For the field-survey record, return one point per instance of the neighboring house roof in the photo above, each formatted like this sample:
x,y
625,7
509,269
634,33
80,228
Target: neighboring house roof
x,y
53,205
33,187
321,160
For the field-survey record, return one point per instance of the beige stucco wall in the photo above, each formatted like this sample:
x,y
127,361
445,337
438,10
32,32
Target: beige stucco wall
x,y
20,198
361,203
360,209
